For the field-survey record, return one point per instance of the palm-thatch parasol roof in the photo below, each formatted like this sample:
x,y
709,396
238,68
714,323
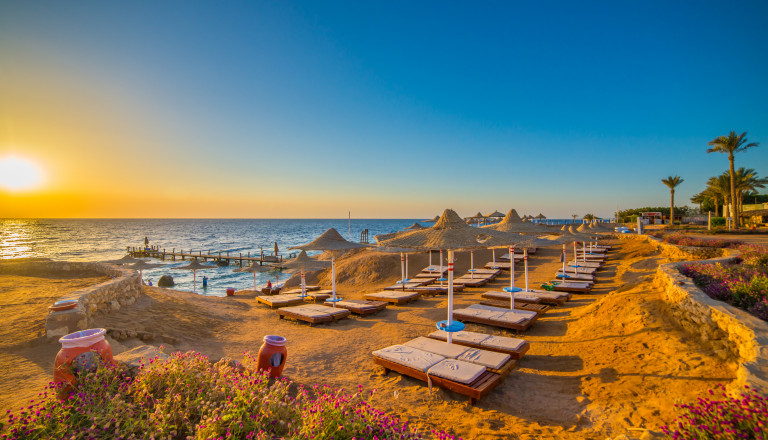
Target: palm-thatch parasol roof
x,y
195,265
450,232
254,267
495,214
513,223
433,220
330,240
415,226
141,265
540,217
304,263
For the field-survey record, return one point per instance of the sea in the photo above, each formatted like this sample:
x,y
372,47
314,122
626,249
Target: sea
x,y
108,239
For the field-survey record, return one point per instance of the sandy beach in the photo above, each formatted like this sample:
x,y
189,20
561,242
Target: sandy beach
x,y
601,363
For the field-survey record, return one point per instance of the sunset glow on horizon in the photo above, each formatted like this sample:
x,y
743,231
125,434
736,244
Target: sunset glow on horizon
x,y
293,110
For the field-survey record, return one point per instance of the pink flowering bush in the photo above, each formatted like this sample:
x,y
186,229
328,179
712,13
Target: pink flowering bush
x,y
721,416
743,283
684,240
187,397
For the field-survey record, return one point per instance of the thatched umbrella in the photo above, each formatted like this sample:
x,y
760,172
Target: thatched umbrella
x,y
141,265
451,233
303,263
432,220
540,217
513,223
254,268
495,214
194,266
125,260
331,240
414,227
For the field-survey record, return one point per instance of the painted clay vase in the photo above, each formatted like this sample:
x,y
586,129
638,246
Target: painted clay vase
x,y
78,355
272,355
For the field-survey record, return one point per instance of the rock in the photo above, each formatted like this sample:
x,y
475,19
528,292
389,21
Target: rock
x,y
165,281
652,435
114,305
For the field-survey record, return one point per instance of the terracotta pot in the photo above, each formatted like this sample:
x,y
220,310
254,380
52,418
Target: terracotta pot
x,y
272,355
78,354
230,291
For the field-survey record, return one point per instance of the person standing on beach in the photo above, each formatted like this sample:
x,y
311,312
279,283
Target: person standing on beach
x,y
146,242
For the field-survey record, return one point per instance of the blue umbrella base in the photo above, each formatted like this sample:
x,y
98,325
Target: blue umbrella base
x,y
512,289
455,326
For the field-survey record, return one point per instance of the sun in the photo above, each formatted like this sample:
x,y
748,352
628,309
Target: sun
x,y
19,174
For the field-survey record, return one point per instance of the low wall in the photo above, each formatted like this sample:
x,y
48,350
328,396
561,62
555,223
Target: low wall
x,y
731,332
109,296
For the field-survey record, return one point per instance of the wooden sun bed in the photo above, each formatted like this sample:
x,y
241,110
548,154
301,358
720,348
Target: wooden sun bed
x,y
572,286
581,269
518,257
588,264
576,276
488,271
497,362
504,265
520,320
479,386
543,296
435,270
360,307
514,347
318,296
538,308
306,289
393,296
282,300
476,281
313,313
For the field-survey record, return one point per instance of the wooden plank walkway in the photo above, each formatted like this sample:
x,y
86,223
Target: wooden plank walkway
x,y
218,256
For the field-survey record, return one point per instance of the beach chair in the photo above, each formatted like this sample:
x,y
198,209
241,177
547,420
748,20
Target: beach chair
x,y
537,308
435,270
532,296
405,286
514,347
318,296
393,296
580,269
282,300
360,307
575,276
504,265
472,380
495,361
306,289
568,286
473,280
313,313
588,264
519,320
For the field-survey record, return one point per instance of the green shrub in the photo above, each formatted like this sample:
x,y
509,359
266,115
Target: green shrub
x,y
718,221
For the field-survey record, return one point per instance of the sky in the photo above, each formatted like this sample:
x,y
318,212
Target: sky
x,y
207,109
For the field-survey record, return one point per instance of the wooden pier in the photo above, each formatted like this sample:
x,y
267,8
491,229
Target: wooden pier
x,y
219,257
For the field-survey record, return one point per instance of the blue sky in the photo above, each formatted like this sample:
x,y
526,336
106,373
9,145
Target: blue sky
x,y
392,109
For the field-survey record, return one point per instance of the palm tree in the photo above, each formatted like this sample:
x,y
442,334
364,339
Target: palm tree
x,y
574,218
731,144
747,181
719,188
699,199
672,182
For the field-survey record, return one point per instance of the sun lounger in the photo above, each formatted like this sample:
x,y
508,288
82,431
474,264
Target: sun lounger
x,y
488,271
504,265
393,296
497,362
435,270
473,280
518,257
318,296
306,289
313,313
543,296
538,308
519,320
360,307
514,347
404,286
580,269
576,276
282,300
570,286
580,263
472,380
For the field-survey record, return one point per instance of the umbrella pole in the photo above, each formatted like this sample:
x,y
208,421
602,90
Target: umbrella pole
x,y
304,285
450,294
333,276
141,277
525,259
430,258
512,269
194,280
402,268
584,251
564,258
441,268
471,265
254,281
493,250
406,266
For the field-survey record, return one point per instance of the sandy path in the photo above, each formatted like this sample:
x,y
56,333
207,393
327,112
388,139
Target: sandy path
x,y
600,363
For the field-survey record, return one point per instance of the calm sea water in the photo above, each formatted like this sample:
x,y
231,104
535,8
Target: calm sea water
x,y
100,239
107,239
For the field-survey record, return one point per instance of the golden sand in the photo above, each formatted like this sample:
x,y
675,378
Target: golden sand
x,y
602,362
